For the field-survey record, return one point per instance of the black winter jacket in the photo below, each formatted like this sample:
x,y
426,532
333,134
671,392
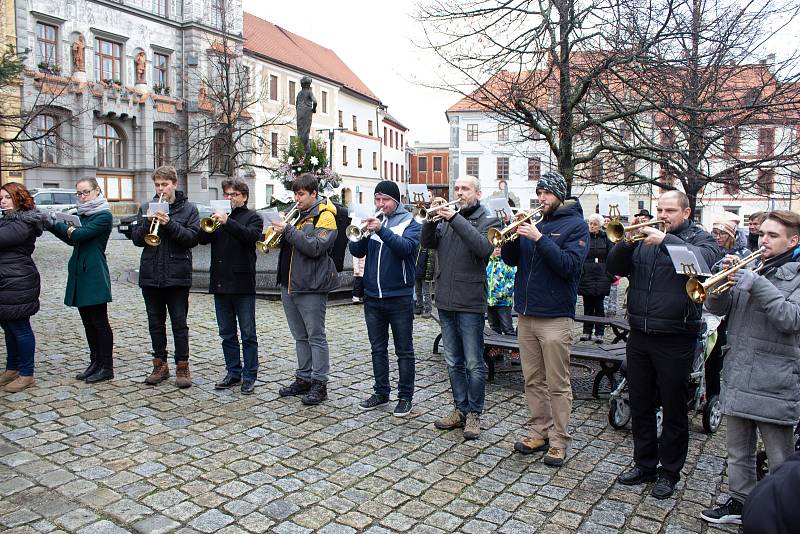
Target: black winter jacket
x,y
595,280
657,299
170,263
233,252
771,507
19,278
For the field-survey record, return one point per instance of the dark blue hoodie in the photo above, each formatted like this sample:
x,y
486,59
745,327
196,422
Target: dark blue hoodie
x,y
548,270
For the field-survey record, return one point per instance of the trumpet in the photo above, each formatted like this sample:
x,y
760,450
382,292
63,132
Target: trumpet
x,y
272,239
152,238
616,231
358,232
498,238
209,224
422,214
698,291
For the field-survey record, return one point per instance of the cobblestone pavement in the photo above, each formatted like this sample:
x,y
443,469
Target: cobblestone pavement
x,y
124,457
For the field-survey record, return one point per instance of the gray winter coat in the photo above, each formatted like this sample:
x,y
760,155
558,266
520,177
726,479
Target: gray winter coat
x,y
761,369
463,251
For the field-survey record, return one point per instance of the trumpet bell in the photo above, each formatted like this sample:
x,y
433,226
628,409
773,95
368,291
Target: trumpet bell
x,y
354,233
696,290
496,237
420,214
209,224
152,239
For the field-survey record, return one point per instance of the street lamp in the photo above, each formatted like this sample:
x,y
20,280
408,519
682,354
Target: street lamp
x,y
330,142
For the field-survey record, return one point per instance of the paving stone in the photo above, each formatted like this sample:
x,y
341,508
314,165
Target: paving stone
x,y
211,521
155,524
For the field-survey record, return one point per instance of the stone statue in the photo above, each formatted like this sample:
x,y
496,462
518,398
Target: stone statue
x,y
306,106
141,66
78,60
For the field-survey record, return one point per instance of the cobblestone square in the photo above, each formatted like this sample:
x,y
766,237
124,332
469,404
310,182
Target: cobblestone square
x,y
121,456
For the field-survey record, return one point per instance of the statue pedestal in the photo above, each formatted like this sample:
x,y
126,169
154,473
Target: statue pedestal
x,y
79,76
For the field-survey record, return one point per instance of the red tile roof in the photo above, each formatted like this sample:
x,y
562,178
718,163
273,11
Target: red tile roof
x,y
272,42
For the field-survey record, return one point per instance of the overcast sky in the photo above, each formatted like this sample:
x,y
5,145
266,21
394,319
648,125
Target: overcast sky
x,y
374,38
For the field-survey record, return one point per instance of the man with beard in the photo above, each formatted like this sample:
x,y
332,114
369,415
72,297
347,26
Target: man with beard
x,y
665,330
464,249
549,257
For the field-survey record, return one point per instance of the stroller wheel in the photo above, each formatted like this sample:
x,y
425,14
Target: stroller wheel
x,y
762,465
712,415
619,413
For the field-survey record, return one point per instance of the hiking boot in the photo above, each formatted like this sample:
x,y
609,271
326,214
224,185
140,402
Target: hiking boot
x,y
183,378
92,369
729,513
555,457
454,419
101,374
317,393
472,426
663,489
8,376
159,374
20,383
403,408
298,387
373,402
531,445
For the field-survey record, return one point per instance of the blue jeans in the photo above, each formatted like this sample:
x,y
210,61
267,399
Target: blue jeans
x,y
230,308
462,339
20,345
380,314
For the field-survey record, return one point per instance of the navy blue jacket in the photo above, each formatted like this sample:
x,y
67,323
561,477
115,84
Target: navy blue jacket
x,y
548,270
390,268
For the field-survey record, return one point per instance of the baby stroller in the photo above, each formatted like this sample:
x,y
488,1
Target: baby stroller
x,y
619,412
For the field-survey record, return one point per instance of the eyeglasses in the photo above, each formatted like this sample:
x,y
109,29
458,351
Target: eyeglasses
x,y
232,194
83,193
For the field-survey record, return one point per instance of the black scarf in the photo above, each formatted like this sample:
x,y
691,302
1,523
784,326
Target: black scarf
x,y
772,264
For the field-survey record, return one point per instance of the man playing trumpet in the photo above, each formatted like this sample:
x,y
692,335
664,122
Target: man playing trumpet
x,y
762,366
165,274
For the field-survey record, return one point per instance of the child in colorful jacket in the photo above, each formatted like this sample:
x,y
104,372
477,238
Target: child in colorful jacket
x,y
501,294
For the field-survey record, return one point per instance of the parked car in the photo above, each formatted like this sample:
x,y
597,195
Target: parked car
x,y
54,199
128,222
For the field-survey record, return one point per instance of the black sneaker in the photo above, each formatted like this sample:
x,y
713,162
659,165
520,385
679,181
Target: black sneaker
x,y
298,387
228,382
373,402
663,488
316,394
402,409
636,476
248,386
729,513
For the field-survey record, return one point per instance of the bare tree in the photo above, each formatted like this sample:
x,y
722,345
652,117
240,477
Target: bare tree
x,y
546,65
227,135
723,108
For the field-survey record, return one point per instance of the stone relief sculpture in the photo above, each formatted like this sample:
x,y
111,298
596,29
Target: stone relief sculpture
x,y
78,59
141,67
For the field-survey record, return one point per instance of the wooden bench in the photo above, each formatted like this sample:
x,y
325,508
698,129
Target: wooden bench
x,y
620,327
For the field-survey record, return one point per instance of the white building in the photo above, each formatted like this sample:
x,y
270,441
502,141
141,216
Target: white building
x,y
395,158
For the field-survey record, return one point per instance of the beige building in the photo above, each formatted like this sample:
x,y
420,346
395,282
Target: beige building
x,y
10,162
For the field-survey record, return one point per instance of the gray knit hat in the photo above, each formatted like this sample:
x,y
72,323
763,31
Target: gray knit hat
x,y
553,182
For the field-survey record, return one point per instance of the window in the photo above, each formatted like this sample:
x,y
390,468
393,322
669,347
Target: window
x,y
596,172
437,163
732,209
534,168
472,166
765,181
369,127
391,139
423,164
344,155
45,124
396,143
385,170
245,73
359,158
116,186
384,136
374,161
502,168
401,141
160,147
160,70
472,132
628,169
766,142
161,7
697,216
502,132
341,119
273,87
355,124
292,93
46,43
273,145
731,143
731,180
391,171
397,170
109,147
108,60
324,101
402,171
217,13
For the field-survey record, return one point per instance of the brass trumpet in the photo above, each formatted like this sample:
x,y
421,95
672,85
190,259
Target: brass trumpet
x,y
422,214
498,238
698,291
152,238
209,224
272,239
356,233
616,231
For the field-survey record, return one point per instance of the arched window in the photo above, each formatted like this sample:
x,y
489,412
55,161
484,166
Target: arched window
x,y
109,147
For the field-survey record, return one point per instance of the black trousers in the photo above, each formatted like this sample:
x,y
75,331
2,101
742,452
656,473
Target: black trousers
x,y
713,367
98,334
158,301
658,370
593,305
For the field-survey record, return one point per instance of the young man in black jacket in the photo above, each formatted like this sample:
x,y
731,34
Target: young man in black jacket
x,y
165,274
233,284
665,330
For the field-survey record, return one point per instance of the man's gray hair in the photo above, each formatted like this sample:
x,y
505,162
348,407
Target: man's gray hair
x,y
475,182
596,218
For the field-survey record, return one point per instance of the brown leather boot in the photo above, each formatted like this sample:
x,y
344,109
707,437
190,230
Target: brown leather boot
x,y
183,378
159,374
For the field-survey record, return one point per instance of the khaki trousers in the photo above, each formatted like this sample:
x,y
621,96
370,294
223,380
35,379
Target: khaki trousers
x,y
544,344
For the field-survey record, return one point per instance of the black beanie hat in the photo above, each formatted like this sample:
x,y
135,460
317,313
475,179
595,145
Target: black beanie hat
x,y
389,189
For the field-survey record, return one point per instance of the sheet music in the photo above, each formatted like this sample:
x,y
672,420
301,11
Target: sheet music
x,y
157,207
72,220
221,206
